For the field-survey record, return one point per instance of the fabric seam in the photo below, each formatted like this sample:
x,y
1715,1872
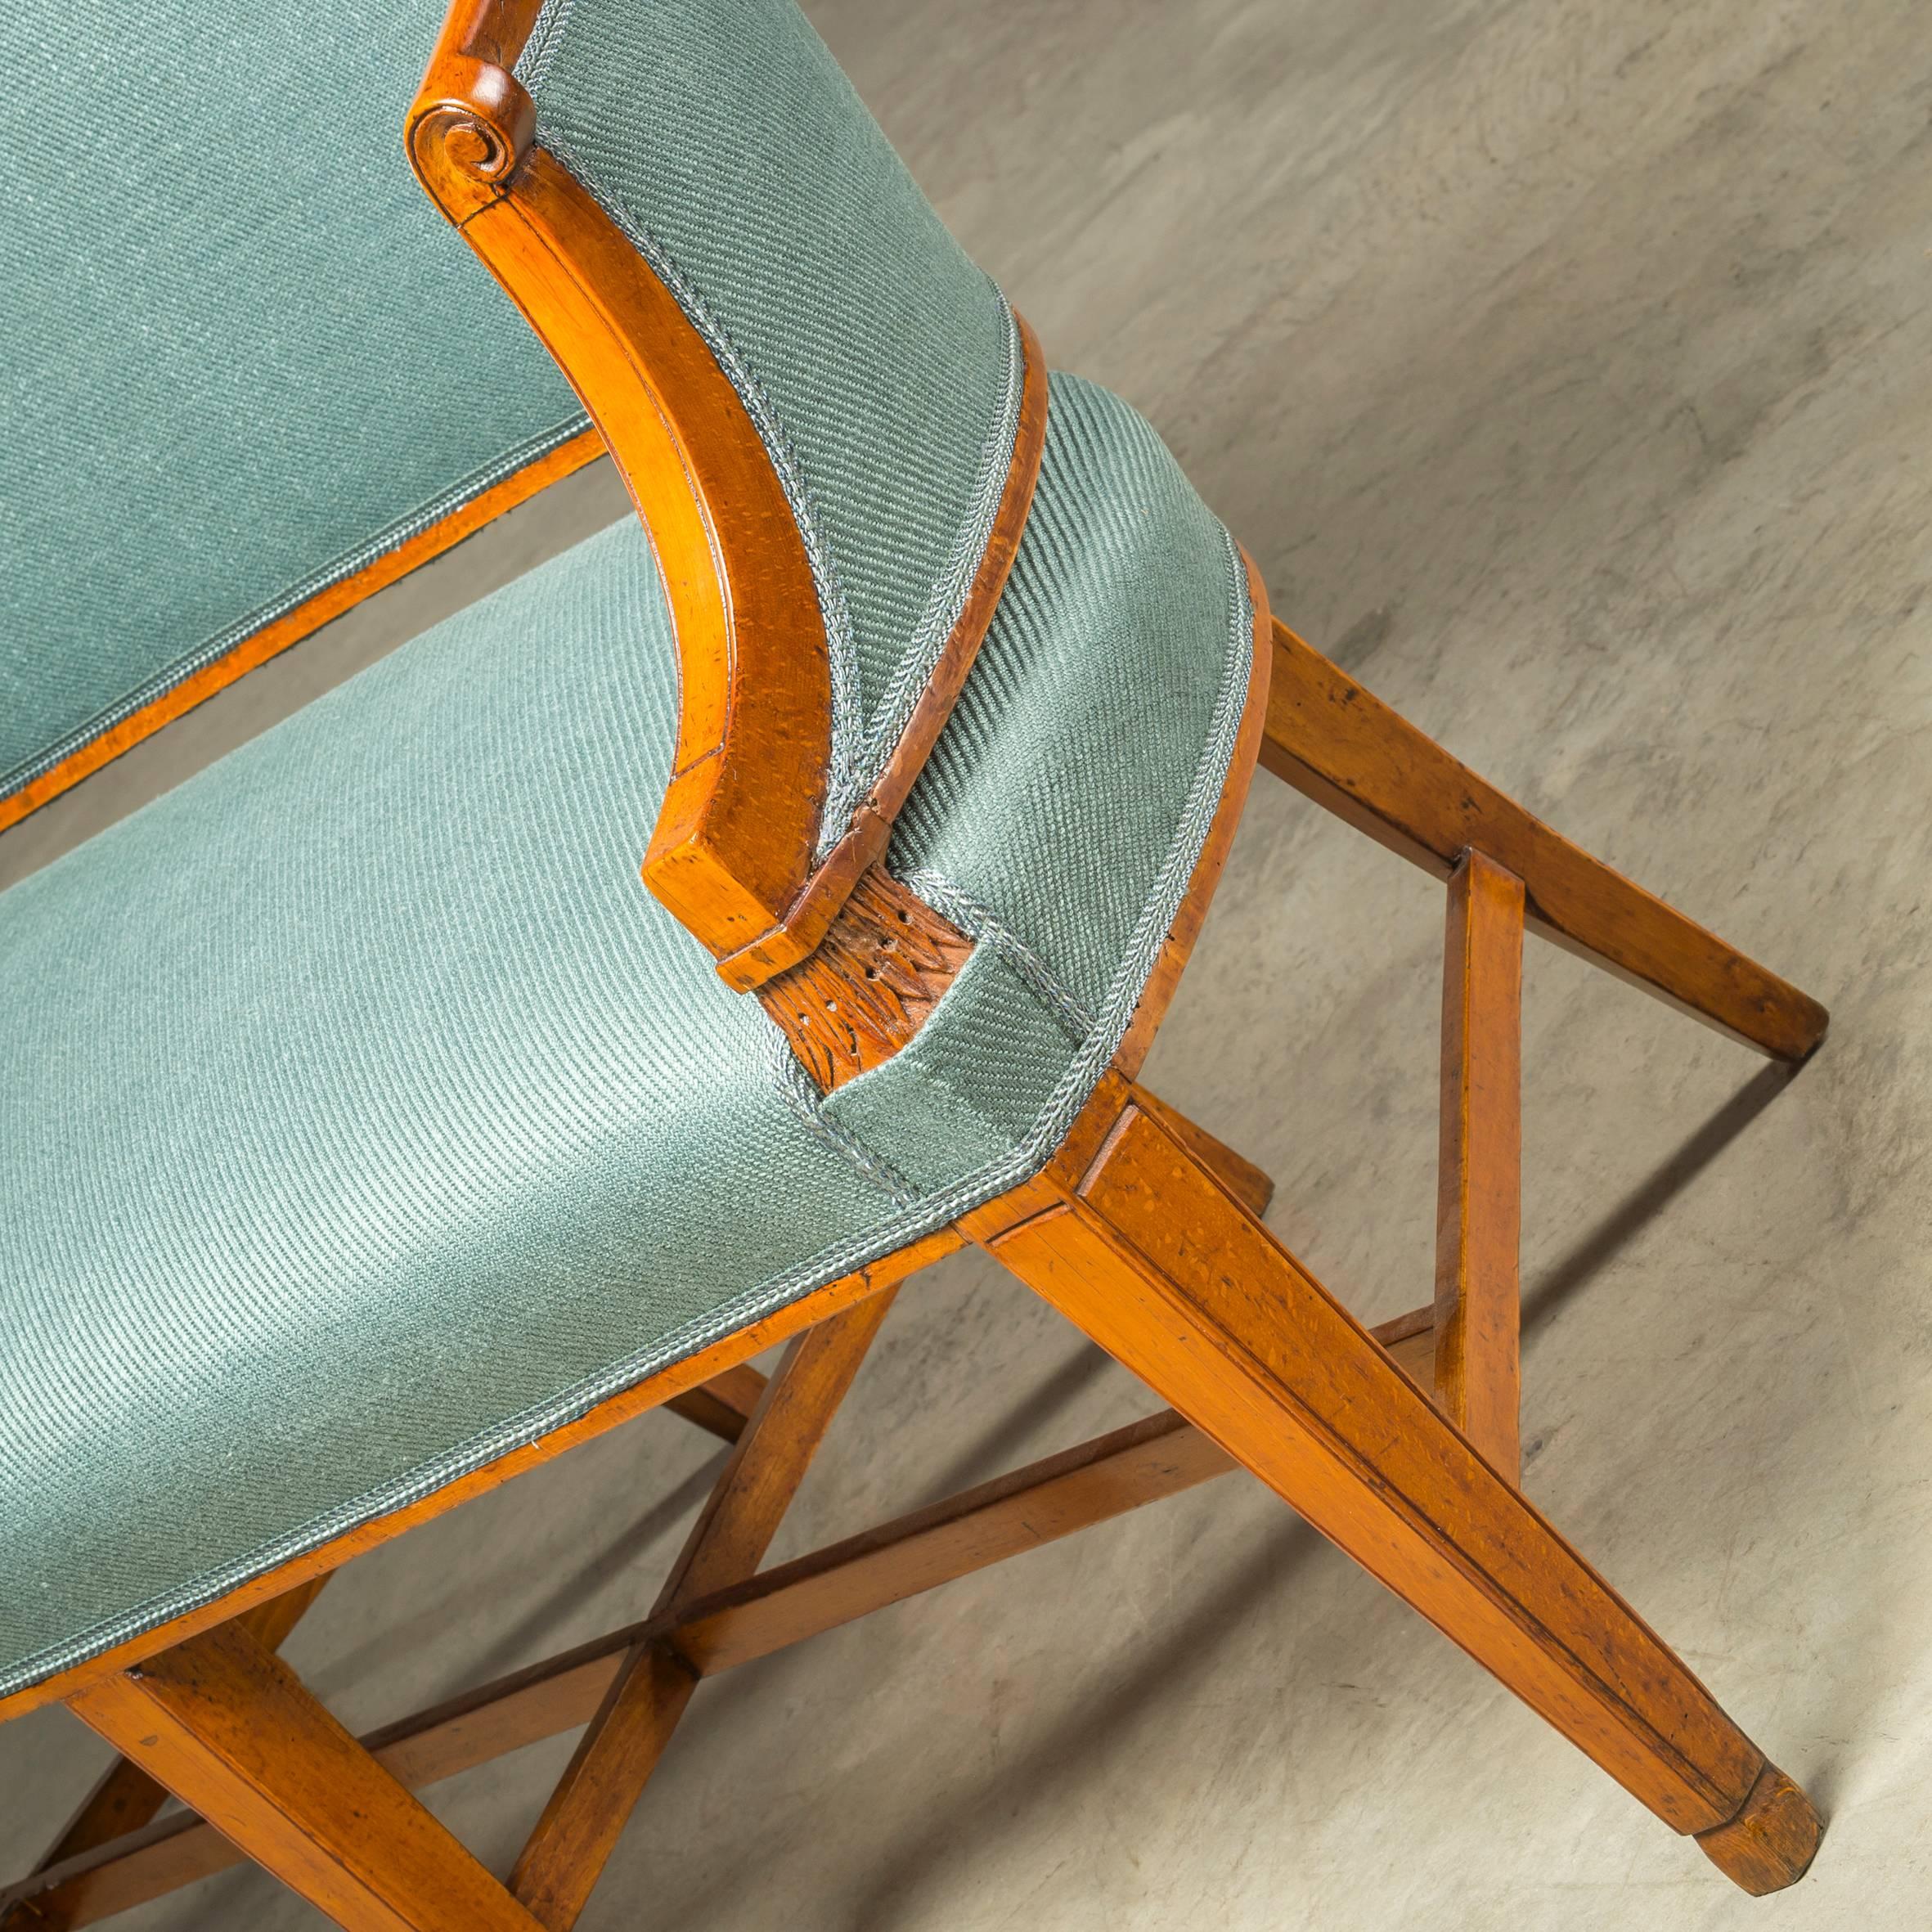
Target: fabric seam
x,y
977,922
947,601
232,636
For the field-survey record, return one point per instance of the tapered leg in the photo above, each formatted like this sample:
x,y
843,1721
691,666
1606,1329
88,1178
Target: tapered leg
x,y
1479,1202
1145,1252
228,1728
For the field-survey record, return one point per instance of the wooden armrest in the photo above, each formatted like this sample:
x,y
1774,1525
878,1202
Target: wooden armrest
x,y
733,853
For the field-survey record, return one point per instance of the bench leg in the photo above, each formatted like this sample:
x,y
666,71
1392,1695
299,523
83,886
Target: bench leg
x,y
126,1798
228,1727
1479,1192
1350,752
1140,1246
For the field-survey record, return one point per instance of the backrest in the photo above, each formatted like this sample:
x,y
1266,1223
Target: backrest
x,y
252,377
243,358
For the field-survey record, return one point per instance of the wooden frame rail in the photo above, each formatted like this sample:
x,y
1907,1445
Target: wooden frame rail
x,y
1349,752
630,1688
1399,1443
270,640
1076,1489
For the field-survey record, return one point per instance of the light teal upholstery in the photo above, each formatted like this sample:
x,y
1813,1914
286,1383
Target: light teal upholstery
x,y
879,362
362,1115
242,352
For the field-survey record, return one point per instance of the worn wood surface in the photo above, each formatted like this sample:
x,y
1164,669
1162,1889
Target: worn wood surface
x,y
1772,1841
1479,1179
229,1729
1349,752
1146,1252
1248,1184
126,1798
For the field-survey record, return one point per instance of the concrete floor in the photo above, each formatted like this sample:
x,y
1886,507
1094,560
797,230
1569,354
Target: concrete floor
x,y
1567,367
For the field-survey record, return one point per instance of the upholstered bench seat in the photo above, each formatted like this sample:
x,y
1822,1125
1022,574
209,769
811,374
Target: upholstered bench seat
x,y
362,1115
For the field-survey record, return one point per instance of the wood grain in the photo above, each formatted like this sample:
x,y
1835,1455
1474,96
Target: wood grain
x,y
1239,1176
1149,1257
587,1811
1772,1841
1479,1180
586,1814
126,1798
228,1728
1350,752
723,1405
272,639
732,855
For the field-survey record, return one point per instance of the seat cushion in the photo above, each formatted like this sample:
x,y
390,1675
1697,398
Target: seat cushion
x,y
362,1116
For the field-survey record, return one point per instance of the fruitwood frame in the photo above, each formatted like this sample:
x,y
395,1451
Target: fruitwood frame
x,y
1399,1443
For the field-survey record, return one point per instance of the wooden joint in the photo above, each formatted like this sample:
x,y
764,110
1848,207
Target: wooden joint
x,y
616,1756
722,1406
1342,747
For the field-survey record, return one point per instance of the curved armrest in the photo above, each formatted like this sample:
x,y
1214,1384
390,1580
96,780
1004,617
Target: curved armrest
x,y
733,853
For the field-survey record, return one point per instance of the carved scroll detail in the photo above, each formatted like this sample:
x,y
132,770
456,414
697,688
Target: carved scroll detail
x,y
878,971
467,137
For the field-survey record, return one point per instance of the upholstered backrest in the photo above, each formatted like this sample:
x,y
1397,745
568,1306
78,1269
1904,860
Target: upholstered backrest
x,y
241,353
245,356
880,365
